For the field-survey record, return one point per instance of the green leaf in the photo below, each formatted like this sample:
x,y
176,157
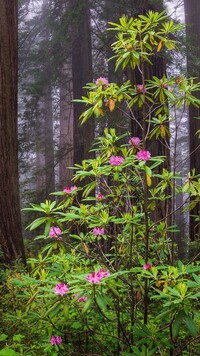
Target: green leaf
x,y
101,302
71,216
174,292
18,337
3,337
161,316
191,326
192,284
35,208
47,228
66,311
87,305
91,186
195,296
116,176
54,310
36,223
58,193
114,291
177,323
148,171
137,352
196,278
86,115
8,352
76,325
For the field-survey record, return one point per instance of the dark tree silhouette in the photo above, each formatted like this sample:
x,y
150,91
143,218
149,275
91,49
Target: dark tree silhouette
x,y
11,240
82,74
192,9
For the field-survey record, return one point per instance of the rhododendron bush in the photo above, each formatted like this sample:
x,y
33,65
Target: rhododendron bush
x,y
107,281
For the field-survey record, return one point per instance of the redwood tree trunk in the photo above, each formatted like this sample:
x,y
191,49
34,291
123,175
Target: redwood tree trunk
x,y
82,74
192,11
66,131
49,143
11,240
45,179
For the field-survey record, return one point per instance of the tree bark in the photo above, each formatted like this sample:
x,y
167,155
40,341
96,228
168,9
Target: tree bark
x,y
11,240
44,131
66,156
82,74
192,10
49,142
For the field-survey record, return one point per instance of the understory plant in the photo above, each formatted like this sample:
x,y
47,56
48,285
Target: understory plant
x,y
107,281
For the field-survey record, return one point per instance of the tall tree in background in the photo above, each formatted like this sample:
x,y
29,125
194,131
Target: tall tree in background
x,y
59,62
46,103
10,221
66,144
81,73
36,93
66,118
192,11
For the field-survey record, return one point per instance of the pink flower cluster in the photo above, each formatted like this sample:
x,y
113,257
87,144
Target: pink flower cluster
x,y
116,160
96,277
81,299
102,81
98,231
147,266
68,190
100,197
54,231
143,155
134,141
61,289
56,340
140,88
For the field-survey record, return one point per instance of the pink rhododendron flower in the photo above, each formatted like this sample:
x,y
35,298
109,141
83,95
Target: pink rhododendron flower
x,y
56,340
102,81
143,155
116,160
54,231
98,231
61,288
135,141
68,190
100,197
147,266
141,89
96,277
81,299
103,273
